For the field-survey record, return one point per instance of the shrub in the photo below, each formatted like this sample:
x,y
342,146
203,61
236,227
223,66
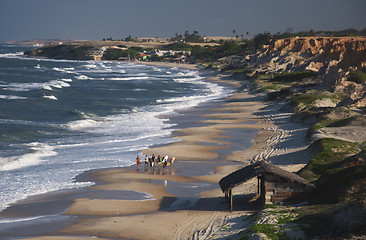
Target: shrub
x,y
358,76
292,76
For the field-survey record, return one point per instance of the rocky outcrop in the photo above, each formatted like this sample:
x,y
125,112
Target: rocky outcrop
x,y
64,51
332,58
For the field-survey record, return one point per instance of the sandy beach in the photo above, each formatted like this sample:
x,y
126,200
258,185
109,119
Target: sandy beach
x,y
184,201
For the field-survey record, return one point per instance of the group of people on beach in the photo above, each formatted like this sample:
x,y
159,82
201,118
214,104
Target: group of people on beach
x,y
155,161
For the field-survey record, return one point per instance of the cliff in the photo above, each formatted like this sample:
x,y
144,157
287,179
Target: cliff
x,y
334,59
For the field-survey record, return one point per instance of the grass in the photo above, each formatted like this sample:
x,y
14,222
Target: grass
x,y
276,226
276,82
308,98
331,152
358,76
270,230
314,220
292,77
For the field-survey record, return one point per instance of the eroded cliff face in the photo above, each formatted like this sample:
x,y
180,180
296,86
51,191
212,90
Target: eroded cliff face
x,y
332,58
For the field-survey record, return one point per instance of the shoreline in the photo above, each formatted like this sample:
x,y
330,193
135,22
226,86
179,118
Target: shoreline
x,y
196,149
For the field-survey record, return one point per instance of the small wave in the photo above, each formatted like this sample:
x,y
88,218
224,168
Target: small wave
x,y
82,77
40,151
127,78
82,124
47,87
58,69
25,87
14,220
10,97
56,84
66,79
50,97
170,91
156,69
12,55
22,87
89,66
190,80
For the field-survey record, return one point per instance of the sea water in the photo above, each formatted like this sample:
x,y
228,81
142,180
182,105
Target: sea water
x,y
59,118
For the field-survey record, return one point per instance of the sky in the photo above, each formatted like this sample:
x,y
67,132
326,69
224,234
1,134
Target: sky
x,y
98,19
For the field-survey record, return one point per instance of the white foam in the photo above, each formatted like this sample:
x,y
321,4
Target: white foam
x,y
14,220
82,77
22,87
11,97
66,79
82,124
89,66
52,97
127,78
25,87
40,151
12,55
58,69
47,87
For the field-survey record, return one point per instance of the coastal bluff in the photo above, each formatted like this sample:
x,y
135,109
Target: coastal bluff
x,y
334,59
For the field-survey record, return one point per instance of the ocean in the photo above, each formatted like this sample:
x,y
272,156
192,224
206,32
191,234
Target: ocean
x,y
59,118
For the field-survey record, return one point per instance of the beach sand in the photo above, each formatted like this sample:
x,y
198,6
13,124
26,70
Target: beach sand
x,y
185,201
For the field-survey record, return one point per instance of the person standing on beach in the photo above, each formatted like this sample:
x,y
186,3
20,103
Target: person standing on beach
x,y
146,161
172,160
152,161
138,161
165,161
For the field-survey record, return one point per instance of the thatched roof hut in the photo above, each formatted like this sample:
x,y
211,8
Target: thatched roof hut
x,y
280,183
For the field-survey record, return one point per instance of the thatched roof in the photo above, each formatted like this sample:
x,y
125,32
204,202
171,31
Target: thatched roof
x,y
258,169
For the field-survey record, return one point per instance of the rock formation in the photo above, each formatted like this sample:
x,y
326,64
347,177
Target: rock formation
x,y
332,58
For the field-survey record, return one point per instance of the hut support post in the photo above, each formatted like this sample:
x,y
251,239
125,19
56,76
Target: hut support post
x,y
231,199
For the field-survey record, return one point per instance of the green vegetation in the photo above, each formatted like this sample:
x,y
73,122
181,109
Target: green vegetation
x,y
311,33
209,53
276,227
115,54
178,46
314,219
332,151
261,39
309,98
64,51
358,76
188,37
292,77
278,81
